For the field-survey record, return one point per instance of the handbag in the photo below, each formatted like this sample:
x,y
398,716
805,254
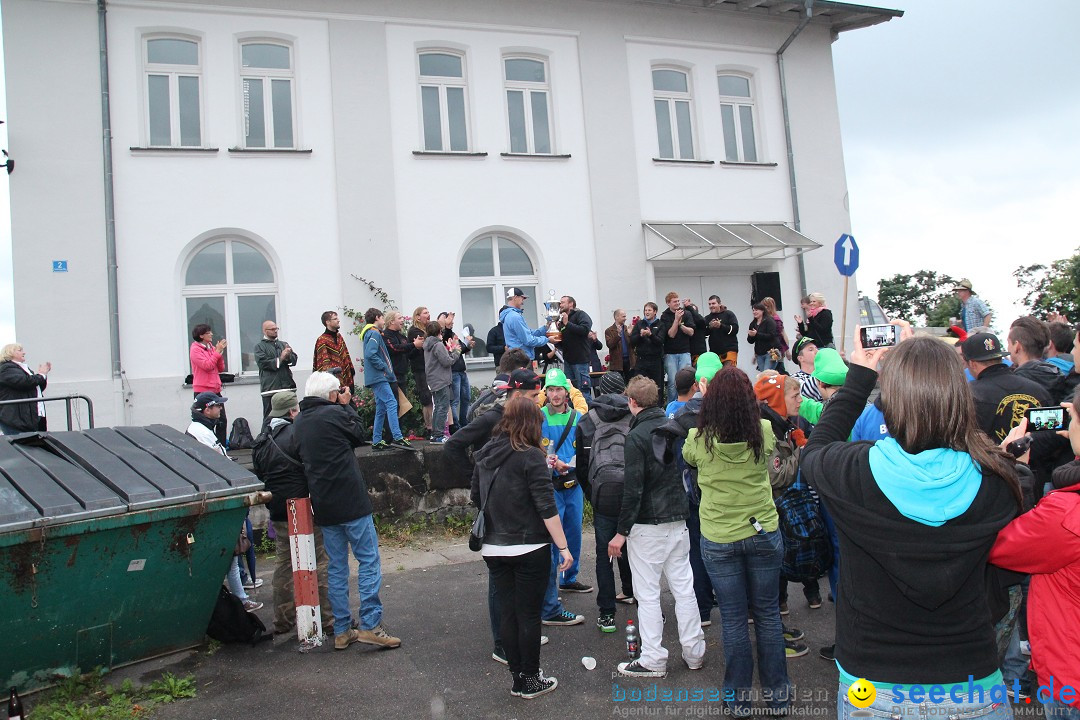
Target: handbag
x,y
243,543
476,537
565,482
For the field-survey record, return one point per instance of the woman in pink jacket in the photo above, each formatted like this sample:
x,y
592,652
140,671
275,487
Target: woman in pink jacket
x,y
207,361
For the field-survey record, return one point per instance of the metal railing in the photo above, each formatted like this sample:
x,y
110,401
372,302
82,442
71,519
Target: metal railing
x,y
66,399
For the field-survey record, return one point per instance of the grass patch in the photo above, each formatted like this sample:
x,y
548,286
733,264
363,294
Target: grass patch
x,y
400,532
88,697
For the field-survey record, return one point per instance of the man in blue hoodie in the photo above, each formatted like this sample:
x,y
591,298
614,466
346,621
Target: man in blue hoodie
x,y
378,374
516,331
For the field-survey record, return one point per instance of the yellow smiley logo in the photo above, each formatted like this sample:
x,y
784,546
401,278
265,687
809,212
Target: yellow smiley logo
x,y
862,693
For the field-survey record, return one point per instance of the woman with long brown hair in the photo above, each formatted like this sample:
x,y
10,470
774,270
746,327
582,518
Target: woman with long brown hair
x,y
741,544
916,514
512,483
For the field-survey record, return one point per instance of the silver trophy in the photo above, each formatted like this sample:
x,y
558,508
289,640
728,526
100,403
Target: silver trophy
x,y
552,313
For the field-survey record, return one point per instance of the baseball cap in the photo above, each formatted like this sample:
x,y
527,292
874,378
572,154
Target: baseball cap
x,y
556,378
800,344
521,379
982,346
829,367
207,399
515,292
281,403
708,364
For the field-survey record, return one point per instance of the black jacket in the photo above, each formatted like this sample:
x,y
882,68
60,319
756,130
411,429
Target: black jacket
x,y
521,495
17,384
681,342
605,484
575,337
1047,375
327,433
766,338
496,342
399,348
726,337
277,463
818,327
699,339
416,354
648,347
459,363
1001,397
471,437
652,491
904,586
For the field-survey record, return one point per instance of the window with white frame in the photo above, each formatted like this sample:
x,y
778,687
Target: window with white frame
x,y
528,105
674,110
173,71
490,265
230,285
737,117
267,93
443,102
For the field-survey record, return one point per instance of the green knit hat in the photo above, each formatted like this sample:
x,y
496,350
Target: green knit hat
x,y
708,364
556,378
829,367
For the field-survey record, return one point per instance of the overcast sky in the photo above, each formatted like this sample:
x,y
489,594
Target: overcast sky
x,y
961,126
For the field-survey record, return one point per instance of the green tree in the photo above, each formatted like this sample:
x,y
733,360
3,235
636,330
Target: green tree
x,y
919,297
1051,289
945,310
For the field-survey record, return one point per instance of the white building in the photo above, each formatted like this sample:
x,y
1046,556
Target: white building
x,y
265,152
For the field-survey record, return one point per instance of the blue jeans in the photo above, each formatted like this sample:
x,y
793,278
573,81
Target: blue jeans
x,y
746,577
360,535
441,399
884,708
462,398
578,375
386,408
571,506
672,365
232,578
764,362
604,527
834,540
703,589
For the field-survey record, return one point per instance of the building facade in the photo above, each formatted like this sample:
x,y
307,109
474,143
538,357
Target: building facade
x,y
267,155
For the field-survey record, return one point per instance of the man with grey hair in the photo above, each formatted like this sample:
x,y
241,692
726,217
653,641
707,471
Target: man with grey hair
x,y
328,431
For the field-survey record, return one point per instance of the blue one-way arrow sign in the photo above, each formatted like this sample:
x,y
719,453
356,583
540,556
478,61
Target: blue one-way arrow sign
x,y
846,255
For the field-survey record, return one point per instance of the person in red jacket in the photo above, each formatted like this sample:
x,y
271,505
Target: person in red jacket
x,y
1045,542
207,364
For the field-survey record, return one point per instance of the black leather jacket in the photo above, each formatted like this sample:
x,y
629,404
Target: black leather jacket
x,y
521,495
652,491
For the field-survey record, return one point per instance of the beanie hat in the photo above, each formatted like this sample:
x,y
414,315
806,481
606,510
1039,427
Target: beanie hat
x,y
829,367
708,364
556,378
769,389
611,383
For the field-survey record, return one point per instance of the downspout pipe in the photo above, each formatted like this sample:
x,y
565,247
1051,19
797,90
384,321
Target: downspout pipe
x,y
110,211
809,13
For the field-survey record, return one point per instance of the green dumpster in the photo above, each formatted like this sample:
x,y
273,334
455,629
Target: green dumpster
x,y
113,543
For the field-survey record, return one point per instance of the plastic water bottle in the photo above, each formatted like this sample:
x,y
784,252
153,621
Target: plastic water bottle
x,y
633,644
15,708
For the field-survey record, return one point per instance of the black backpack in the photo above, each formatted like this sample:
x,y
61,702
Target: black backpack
x,y
230,623
807,548
240,438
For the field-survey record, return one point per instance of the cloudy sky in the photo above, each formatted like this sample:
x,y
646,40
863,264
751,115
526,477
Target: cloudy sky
x,y
961,126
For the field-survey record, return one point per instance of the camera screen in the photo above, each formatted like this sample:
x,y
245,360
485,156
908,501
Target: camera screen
x,y
878,336
1052,418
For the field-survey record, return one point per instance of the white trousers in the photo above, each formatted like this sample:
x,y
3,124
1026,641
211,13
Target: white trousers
x,y
664,549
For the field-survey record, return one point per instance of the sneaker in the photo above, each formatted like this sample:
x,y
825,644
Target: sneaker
x,y
249,585
402,442
564,618
438,439
252,605
576,587
606,623
634,668
346,639
378,636
381,445
814,601
1023,694
1025,647
793,633
499,656
794,649
784,608
625,599
828,652
695,665
706,622
535,685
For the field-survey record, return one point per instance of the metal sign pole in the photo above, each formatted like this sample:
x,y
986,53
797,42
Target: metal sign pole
x,y
843,324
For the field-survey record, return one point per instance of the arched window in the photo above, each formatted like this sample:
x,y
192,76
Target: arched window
x,y
672,101
737,117
230,285
491,264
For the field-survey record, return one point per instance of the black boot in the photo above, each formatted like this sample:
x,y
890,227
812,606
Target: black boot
x,y
536,685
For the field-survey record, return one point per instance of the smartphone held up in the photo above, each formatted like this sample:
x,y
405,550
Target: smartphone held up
x,y
874,337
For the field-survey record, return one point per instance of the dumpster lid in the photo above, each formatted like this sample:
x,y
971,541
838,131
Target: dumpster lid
x,y
50,478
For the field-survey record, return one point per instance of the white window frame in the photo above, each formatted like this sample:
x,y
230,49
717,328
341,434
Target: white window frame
x,y
441,83
267,76
672,98
735,102
499,282
174,73
528,89
231,291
